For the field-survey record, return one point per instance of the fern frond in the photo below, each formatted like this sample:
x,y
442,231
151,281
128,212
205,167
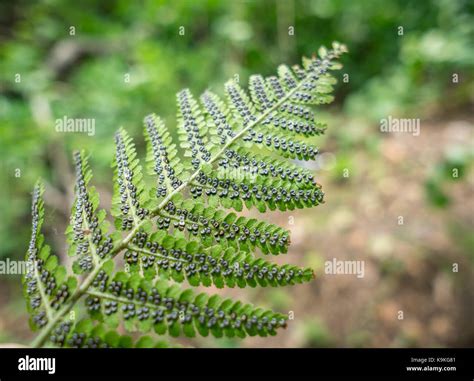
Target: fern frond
x,y
88,334
129,190
262,193
281,144
45,284
246,112
242,108
87,233
162,158
218,123
181,230
216,226
165,308
261,95
265,166
177,258
192,129
293,119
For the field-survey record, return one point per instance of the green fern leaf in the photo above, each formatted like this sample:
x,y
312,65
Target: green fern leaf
x,y
180,229
129,189
162,157
192,129
178,258
88,334
165,308
45,284
216,226
87,234
217,118
255,164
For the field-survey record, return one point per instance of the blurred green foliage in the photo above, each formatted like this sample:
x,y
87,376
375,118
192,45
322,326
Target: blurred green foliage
x,y
453,167
315,334
47,72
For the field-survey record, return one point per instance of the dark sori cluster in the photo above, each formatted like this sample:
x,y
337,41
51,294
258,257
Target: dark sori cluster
x,y
299,127
299,72
288,79
286,146
33,250
261,97
229,189
128,191
35,265
144,305
86,263
275,85
298,111
64,335
317,68
201,264
240,104
259,92
33,291
198,224
190,125
41,283
263,168
85,223
100,281
60,296
224,130
82,340
160,156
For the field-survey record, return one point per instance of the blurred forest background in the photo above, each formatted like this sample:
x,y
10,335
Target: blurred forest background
x,y
73,59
